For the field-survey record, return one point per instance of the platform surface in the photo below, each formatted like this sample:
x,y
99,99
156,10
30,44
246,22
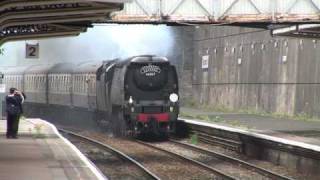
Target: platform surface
x,y
41,153
305,131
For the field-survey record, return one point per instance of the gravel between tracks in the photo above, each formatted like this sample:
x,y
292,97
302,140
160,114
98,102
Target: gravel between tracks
x,y
109,164
226,167
163,165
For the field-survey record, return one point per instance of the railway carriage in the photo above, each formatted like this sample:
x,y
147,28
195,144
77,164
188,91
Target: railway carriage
x,y
36,83
60,84
14,77
84,85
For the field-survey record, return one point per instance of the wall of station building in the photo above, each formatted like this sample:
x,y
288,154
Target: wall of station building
x,y
248,69
182,57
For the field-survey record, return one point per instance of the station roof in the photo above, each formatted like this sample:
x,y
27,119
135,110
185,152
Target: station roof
x,y
29,19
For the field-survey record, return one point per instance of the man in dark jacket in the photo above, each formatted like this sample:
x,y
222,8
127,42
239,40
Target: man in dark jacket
x,y
13,108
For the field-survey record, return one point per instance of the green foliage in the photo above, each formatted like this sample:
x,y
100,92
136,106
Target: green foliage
x,y
38,128
186,115
209,118
1,51
194,139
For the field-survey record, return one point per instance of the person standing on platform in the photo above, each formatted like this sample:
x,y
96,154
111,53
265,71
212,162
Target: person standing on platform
x,y
13,108
20,97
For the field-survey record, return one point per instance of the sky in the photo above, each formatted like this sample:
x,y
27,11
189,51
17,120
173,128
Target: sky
x,y
100,43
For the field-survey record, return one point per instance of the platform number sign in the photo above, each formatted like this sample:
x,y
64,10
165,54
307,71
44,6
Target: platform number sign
x,y
205,62
32,51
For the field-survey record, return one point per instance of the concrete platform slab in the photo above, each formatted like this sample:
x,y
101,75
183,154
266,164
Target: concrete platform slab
x,y
41,153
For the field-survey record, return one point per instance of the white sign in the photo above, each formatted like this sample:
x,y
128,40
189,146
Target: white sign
x,y
205,62
32,51
284,59
2,88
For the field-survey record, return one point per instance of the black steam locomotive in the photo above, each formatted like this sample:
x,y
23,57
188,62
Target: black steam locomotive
x,y
137,95
141,91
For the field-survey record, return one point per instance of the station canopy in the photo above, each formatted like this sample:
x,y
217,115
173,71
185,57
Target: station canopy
x,y
30,19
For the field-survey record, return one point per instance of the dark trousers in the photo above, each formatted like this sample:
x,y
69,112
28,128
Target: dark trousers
x,y
12,125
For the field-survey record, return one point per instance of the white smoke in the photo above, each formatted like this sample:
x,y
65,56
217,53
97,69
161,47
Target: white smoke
x,y
102,42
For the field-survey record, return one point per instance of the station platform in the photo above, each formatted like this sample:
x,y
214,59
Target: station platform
x,y
304,131
41,153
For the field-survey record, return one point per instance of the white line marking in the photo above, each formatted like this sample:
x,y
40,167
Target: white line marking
x,y
87,162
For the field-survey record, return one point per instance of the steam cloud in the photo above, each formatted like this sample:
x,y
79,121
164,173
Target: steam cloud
x,y
102,42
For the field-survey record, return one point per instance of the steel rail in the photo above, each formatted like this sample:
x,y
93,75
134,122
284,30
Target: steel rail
x,y
109,148
224,157
199,164
214,140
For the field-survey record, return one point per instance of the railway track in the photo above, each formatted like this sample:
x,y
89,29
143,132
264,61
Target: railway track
x,y
223,142
234,161
232,148
165,165
229,167
174,159
195,162
136,170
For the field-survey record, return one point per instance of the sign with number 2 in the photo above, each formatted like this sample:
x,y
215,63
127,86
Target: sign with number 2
x,y
32,51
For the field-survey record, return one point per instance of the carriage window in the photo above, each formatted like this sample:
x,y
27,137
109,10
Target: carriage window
x,y
76,83
79,83
67,83
84,83
51,82
59,82
35,82
54,82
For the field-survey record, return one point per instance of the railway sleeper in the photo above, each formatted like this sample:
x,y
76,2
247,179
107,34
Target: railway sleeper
x,y
227,143
227,146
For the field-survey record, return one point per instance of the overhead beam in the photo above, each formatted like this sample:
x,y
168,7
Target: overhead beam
x,y
38,31
54,13
64,19
299,30
38,36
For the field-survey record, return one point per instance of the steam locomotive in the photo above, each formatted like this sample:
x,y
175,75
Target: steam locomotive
x,y
137,95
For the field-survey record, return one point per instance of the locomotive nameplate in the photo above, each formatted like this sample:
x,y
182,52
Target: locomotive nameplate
x,y
150,70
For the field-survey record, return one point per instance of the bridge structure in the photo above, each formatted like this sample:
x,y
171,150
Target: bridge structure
x,y
297,18
30,19
219,11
